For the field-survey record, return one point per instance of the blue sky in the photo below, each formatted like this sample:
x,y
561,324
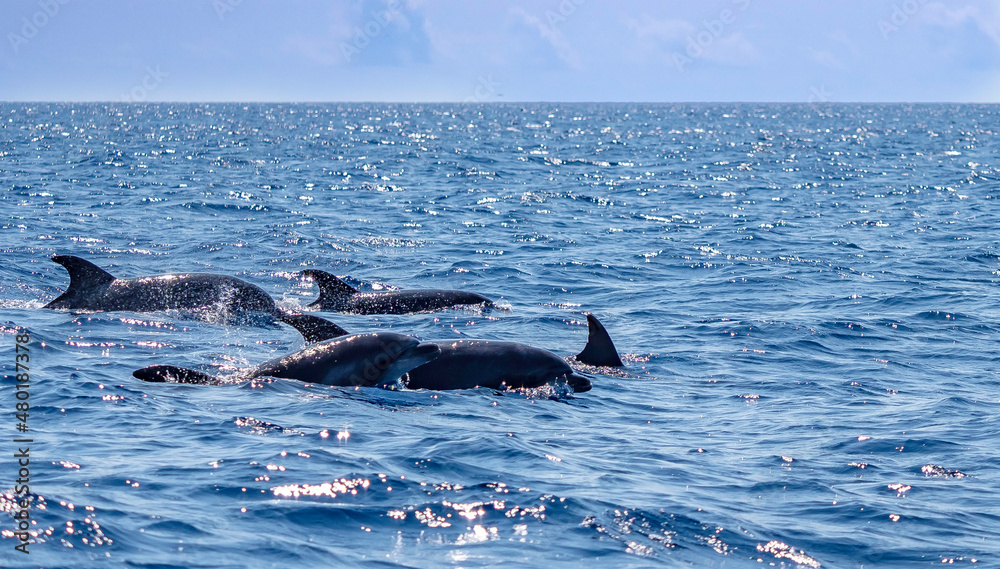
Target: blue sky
x,y
516,50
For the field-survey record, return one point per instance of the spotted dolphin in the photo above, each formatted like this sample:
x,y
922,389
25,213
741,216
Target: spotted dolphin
x,y
366,360
337,296
93,288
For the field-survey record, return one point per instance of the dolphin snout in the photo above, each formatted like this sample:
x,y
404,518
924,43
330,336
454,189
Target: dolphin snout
x,y
579,382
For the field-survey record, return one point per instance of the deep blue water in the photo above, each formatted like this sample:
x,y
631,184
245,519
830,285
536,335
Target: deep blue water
x,y
806,297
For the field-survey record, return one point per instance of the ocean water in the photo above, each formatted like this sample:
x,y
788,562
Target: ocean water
x,y
806,297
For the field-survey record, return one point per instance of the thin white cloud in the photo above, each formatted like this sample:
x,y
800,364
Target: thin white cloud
x,y
325,49
668,31
462,39
677,38
841,37
734,49
939,14
826,58
350,31
563,49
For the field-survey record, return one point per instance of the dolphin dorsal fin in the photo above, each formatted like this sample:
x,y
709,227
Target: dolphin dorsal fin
x,y
84,276
174,374
82,273
600,350
313,328
330,287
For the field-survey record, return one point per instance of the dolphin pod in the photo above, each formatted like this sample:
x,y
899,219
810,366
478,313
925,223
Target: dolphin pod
x,y
337,296
336,357
366,360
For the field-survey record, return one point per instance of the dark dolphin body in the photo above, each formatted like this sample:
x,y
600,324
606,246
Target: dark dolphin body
x,y
93,288
359,360
338,296
465,364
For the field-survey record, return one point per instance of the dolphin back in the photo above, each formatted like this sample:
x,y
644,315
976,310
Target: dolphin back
x,y
174,374
365,360
600,350
84,278
467,364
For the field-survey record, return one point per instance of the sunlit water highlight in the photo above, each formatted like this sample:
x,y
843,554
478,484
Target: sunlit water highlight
x,y
806,298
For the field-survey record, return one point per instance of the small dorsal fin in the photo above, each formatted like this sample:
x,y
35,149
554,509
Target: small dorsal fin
x,y
84,276
174,374
330,287
313,328
600,350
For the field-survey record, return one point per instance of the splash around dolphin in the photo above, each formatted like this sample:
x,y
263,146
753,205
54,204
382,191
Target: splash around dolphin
x,y
93,288
365,360
337,296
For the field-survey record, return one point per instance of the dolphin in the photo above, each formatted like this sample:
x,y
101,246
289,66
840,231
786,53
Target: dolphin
x,y
337,296
466,364
365,360
93,288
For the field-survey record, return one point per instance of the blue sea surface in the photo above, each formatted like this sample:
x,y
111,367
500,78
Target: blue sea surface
x,y
806,298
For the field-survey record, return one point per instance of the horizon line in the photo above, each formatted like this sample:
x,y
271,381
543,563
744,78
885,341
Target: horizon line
x,y
533,102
